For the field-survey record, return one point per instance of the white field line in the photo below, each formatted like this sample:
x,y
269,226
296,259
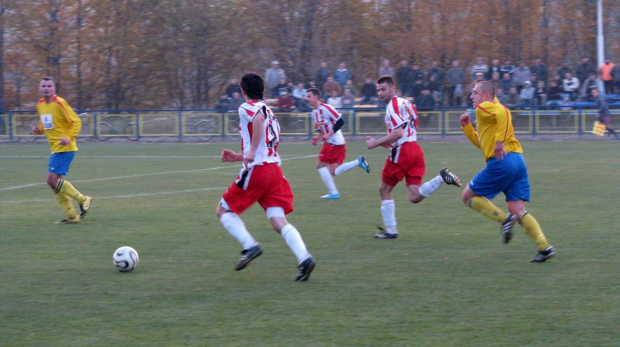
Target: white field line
x,y
236,167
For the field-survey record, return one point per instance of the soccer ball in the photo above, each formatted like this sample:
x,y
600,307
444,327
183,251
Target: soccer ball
x,y
125,259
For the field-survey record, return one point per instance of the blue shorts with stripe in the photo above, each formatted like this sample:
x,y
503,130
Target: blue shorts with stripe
x,y
59,162
508,176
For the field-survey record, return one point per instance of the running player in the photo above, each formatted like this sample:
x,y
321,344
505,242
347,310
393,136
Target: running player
x,y
327,123
505,171
406,158
260,180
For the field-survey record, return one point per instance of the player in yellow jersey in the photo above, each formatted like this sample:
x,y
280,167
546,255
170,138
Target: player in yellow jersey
x,y
505,171
61,126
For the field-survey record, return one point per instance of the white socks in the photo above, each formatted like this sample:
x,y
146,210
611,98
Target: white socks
x,y
294,242
327,178
431,186
344,167
388,211
234,225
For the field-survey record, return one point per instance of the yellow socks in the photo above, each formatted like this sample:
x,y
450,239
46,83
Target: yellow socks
x,y
66,205
486,207
533,231
67,188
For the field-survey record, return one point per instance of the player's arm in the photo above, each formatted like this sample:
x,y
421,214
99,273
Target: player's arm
x,y
74,120
339,123
387,139
468,130
317,138
258,133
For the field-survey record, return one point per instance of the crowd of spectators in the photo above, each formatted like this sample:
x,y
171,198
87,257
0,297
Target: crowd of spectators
x,y
517,86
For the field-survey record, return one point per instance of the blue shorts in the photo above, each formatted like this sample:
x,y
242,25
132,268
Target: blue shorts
x,y
59,162
508,175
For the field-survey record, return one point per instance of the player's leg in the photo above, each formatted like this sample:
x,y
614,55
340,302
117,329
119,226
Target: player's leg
x,y
344,167
328,180
417,193
277,204
58,167
235,226
388,213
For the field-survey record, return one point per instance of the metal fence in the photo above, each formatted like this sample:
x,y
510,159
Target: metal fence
x,y
209,124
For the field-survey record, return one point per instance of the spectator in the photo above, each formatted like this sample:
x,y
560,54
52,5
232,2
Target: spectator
x,y
540,94
402,78
223,103
590,83
566,104
331,87
272,76
348,99
558,79
615,73
369,92
526,95
508,67
416,74
539,69
554,94
425,101
321,75
495,79
479,67
506,82
435,88
312,84
571,86
282,86
416,89
334,100
285,102
564,69
501,96
386,69
299,96
606,77
233,87
513,98
521,74
435,70
455,76
584,69
342,75
494,68
236,101
478,77
349,86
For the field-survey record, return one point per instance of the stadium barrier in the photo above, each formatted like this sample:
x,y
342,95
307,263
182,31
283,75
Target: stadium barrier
x,y
208,124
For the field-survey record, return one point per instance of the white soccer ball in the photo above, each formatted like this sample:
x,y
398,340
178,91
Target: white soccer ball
x,y
125,259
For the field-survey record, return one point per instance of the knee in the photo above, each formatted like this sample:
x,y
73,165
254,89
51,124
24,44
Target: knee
x,y
52,181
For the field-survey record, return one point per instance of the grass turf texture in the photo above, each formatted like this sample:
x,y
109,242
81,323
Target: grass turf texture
x,y
446,281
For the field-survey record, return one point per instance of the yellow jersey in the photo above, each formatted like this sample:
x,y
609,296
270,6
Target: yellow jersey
x,y
58,120
494,124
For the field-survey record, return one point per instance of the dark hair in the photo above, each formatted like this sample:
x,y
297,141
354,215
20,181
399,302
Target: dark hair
x,y
253,85
386,79
314,91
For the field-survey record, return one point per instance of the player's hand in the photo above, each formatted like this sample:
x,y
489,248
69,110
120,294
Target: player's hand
x,y
499,150
327,136
64,141
465,119
228,156
371,142
249,158
36,130
314,141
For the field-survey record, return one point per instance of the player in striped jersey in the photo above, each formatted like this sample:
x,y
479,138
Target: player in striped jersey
x,y
406,158
327,123
260,180
61,126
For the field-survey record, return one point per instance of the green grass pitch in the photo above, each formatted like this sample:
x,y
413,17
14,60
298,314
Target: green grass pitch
x,y
446,281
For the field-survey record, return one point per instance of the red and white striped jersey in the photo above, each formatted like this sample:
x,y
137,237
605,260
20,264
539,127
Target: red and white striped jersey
x,y
266,153
325,116
399,111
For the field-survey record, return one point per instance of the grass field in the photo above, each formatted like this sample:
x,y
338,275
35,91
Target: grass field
x,y
446,281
